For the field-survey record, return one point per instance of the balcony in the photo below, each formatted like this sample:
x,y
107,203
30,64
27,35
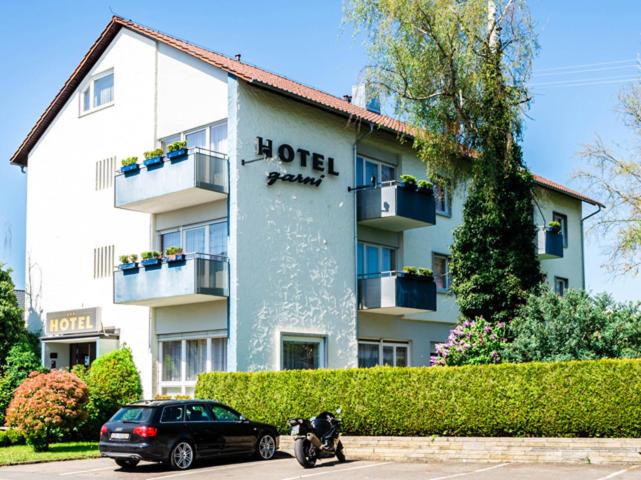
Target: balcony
x,y
549,244
196,178
389,206
196,278
396,293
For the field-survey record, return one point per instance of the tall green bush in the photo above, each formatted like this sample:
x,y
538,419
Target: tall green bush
x,y
567,399
12,325
575,326
21,361
113,381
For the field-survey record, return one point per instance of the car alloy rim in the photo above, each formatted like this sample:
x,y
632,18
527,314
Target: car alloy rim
x,y
183,455
267,447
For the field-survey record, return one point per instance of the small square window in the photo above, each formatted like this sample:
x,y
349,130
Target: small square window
x,y
303,353
103,90
561,285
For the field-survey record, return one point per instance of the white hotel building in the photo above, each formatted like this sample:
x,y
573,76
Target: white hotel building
x,y
281,270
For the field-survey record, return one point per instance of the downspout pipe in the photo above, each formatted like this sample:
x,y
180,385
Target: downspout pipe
x,y
359,138
599,208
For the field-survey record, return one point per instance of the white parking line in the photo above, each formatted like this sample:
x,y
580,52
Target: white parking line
x,y
620,472
78,472
330,471
455,475
214,469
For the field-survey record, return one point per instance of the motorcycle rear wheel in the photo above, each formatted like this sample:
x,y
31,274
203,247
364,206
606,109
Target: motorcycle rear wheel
x,y
340,453
305,452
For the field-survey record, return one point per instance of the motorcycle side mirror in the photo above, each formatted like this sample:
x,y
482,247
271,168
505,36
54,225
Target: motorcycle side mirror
x,y
339,410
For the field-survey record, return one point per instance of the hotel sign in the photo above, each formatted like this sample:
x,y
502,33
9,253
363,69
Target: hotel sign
x,y
73,322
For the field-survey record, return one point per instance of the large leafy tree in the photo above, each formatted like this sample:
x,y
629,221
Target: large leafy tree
x,y
12,326
615,176
456,69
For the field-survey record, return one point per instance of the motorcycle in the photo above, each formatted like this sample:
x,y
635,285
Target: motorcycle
x,y
316,438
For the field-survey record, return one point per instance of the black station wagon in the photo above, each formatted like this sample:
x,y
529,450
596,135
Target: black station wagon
x,y
178,432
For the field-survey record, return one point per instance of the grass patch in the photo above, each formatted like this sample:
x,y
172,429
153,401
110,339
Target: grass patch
x,y
57,451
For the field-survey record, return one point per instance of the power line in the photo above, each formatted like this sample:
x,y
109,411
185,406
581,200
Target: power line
x,y
588,70
585,83
614,62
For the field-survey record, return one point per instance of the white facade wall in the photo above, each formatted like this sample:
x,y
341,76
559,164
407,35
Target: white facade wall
x,y
291,246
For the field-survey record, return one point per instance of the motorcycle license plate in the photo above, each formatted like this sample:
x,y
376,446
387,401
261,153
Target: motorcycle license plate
x,y
119,436
295,429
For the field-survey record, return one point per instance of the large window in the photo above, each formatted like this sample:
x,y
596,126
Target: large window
x,y
443,197
211,137
561,285
208,238
563,220
441,270
303,353
181,360
368,169
373,353
373,259
99,92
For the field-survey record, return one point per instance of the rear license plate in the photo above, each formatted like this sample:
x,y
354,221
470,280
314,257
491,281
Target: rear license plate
x,y
295,429
119,436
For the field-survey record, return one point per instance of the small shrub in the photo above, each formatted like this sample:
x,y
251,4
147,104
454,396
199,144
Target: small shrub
x,y
408,179
150,254
133,258
472,342
113,381
424,272
48,406
153,153
425,184
11,437
124,258
172,147
129,161
174,251
554,226
410,270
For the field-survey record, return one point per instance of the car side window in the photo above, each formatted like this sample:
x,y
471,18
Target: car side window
x,y
172,414
223,414
197,413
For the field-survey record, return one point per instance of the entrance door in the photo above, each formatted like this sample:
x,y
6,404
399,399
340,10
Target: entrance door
x,y
82,353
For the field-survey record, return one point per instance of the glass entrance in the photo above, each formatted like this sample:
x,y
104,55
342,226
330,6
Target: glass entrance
x,y
82,354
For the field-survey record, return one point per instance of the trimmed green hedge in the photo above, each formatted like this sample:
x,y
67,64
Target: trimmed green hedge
x,y
599,398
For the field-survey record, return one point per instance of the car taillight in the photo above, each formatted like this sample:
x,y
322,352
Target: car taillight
x,y
145,431
103,430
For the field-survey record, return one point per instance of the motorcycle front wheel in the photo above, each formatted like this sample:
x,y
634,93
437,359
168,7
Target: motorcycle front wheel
x,y
305,452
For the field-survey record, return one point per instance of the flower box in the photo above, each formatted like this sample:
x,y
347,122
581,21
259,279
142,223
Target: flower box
x,y
153,161
178,257
128,266
151,262
130,169
177,154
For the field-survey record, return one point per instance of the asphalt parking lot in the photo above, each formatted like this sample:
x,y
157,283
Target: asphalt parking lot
x,y
285,467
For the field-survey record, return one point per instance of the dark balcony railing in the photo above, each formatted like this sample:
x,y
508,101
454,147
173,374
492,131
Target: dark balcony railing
x,y
196,278
549,244
199,177
390,206
396,293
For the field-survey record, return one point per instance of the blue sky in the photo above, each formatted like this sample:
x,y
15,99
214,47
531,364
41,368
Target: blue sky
x,y
41,42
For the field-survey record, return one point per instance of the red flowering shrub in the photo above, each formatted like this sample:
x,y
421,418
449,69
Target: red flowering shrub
x,y
46,406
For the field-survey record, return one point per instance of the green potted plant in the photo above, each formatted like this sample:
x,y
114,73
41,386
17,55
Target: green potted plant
x,y
177,150
174,254
128,262
425,186
129,166
407,181
425,272
554,227
409,270
153,158
150,258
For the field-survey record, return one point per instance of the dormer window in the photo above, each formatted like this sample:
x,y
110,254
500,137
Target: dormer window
x,y
98,93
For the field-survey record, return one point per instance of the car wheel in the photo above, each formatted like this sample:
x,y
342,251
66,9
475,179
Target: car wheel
x,y
305,452
266,447
340,453
126,463
181,456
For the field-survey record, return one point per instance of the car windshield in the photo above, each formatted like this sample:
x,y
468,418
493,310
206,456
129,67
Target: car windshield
x,y
133,414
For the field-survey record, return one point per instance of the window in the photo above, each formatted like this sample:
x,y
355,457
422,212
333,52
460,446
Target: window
x,y
181,361
103,261
303,353
211,137
197,413
441,270
442,196
563,220
366,169
105,173
98,93
373,259
171,414
133,414
560,285
223,414
373,353
209,238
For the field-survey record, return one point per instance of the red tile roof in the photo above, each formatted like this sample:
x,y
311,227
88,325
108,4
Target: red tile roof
x,y
246,72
